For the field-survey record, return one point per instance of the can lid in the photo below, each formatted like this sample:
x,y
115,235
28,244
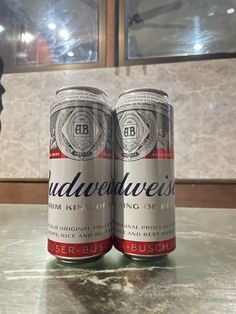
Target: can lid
x,y
145,89
94,90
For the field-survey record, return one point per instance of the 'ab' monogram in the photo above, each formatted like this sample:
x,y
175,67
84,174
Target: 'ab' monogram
x,y
136,134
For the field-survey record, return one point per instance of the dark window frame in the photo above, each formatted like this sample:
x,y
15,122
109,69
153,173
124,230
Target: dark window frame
x,y
102,18
112,45
123,49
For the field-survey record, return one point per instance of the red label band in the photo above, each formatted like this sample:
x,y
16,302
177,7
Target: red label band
x,y
56,153
160,154
157,154
105,154
145,248
77,250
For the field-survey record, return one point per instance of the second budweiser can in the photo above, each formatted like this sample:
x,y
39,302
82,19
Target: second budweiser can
x,y
144,174
80,181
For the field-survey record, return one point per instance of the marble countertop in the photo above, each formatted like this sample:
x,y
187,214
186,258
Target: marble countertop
x,y
199,277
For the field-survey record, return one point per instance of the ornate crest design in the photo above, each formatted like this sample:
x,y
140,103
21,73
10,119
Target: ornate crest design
x,y
81,134
135,134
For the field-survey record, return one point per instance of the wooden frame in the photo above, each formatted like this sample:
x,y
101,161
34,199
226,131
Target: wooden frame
x,y
101,50
112,33
123,56
189,193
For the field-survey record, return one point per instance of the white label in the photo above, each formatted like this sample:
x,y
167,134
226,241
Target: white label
x,y
79,209
145,204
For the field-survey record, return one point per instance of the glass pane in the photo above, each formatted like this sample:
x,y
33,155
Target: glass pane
x,y
46,32
180,28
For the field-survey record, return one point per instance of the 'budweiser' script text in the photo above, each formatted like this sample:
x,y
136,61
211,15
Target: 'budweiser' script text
x,y
124,187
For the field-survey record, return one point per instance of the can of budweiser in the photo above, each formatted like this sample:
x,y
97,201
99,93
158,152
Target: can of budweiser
x,y
144,174
80,180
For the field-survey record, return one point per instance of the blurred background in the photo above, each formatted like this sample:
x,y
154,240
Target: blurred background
x,y
185,47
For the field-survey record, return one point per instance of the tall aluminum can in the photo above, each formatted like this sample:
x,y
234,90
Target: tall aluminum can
x,y
144,174
80,180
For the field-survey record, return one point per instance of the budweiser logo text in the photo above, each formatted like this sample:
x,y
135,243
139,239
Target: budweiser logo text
x,y
124,187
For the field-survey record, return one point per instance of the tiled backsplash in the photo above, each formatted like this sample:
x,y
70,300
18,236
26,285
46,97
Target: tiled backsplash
x,y
203,94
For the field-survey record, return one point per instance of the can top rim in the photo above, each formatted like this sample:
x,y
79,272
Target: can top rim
x,y
145,89
94,90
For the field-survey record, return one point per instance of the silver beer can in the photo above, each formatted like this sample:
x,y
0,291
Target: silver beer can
x,y
80,180
144,174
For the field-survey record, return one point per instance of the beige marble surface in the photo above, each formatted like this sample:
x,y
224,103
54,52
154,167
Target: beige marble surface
x,y
203,94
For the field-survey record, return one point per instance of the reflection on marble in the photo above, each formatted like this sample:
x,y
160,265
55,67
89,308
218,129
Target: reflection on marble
x,y
203,94
199,277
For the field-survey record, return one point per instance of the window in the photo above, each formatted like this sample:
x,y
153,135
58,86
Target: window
x,y
42,33
176,28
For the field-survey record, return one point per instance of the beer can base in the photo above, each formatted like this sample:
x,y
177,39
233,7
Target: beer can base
x,y
145,258
81,260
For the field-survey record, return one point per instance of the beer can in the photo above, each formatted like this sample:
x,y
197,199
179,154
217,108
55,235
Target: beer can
x,y
144,174
80,180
